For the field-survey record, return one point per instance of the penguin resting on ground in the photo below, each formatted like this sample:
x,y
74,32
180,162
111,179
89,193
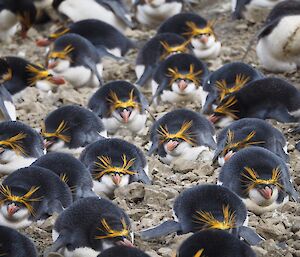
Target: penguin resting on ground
x,y
32,194
123,251
20,146
114,163
260,178
70,128
182,134
120,104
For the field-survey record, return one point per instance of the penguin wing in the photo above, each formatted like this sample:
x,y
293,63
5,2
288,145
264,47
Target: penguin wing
x,y
143,101
219,150
101,49
238,8
288,186
88,62
147,74
141,176
205,138
250,236
268,27
7,107
160,88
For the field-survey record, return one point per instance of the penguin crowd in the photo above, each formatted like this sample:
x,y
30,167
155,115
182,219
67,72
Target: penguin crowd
x,y
72,164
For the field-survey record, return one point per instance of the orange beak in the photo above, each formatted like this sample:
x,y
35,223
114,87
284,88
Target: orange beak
x,y
57,80
213,118
116,179
266,192
47,144
125,242
52,65
125,115
228,156
182,85
171,145
42,42
204,39
12,209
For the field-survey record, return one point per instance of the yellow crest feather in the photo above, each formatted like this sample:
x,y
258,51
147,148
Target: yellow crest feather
x,y
193,76
15,143
58,132
110,233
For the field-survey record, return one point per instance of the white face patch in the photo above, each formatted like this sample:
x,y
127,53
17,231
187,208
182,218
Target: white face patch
x,y
19,219
191,87
107,186
210,50
224,121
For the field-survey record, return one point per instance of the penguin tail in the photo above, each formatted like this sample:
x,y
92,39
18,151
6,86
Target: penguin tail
x,y
251,237
56,246
163,229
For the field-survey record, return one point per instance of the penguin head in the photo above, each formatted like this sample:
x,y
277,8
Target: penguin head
x,y
60,59
53,36
5,71
171,49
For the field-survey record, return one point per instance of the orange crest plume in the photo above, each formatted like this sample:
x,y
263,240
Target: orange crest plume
x,y
38,73
199,253
59,32
225,108
193,30
117,103
58,132
105,166
25,199
7,76
15,143
168,50
61,54
110,233
192,75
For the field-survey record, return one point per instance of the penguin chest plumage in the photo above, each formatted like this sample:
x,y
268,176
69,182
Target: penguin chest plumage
x,y
210,50
8,24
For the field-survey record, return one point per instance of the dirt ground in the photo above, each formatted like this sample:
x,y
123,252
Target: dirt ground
x,y
150,205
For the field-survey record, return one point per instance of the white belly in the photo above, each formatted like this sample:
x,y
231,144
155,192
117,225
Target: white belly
x,y
8,25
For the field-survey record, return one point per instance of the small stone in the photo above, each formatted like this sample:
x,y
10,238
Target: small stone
x,y
165,251
133,192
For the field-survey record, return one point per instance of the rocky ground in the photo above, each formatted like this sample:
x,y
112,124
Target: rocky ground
x,y
150,205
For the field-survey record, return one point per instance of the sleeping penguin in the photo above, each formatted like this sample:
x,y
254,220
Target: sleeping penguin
x,y
120,104
216,243
112,12
71,171
197,30
20,146
179,78
123,251
249,132
283,27
77,60
107,39
268,98
114,163
90,226
70,128
157,49
32,194
153,12
228,79
14,244
182,134
24,74
193,212
260,178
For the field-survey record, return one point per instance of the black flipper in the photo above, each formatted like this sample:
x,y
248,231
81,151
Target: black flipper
x,y
280,151
163,229
250,236
54,206
146,76
281,114
159,89
57,245
240,6
5,98
153,148
103,52
92,66
141,176
207,108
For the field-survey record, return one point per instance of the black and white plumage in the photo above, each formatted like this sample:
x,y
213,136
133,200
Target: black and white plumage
x,y
123,251
70,128
32,194
182,134
71,171
20,146
114,163
260,178
120,104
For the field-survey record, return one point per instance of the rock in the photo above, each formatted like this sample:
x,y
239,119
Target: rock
x,y
133,192
165,251
155,197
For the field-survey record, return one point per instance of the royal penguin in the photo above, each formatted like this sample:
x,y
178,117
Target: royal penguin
x,y
71,171
282,26
32,194
123,251
153,12
182,134
114,163
23,74
157,49
120,104
228,79
197,30
77,60
70,128
90,226
107,39
249,132
216,243
179,78
20,146
113,12
260,178
206,207
14,244
267,98
297,131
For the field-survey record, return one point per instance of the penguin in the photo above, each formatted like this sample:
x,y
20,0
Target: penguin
x,y
228,79
248,132
297,131
113,12
32,194
71,171
157,49
206,207
197,30
20,146
123,251
107,39
153,12
114,163
77,60
14,244
120,104
215,243
260,178
23,74
182,134
7,107
179,78
90,226
284,55
70,128
267,98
